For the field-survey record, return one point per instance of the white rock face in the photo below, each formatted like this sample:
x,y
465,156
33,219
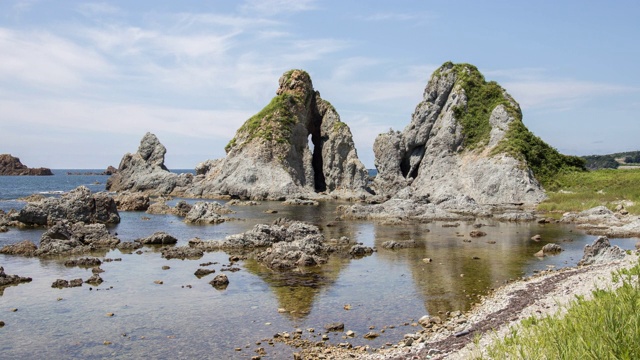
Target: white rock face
x,y
431,158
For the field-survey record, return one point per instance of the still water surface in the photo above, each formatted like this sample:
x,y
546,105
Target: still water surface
x,y
173,320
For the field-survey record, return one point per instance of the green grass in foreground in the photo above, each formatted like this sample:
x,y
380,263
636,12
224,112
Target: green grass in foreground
x,y
605,327
577,191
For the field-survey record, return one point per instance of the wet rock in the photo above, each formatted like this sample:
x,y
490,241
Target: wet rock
x,y
360,251
236,202
182,252
601,252
203,272
85,262
551,248
220,282
182,208
371,335
477,233
6,280
334,327
395,245
78,205
24,248
94,280
129,246
3,229
304,202
158,238
536,238
207,213
77,238
127,201
61,283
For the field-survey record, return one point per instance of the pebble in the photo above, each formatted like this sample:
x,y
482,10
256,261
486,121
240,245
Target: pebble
x,y
110,314
166,267
1,324
159,282
14,310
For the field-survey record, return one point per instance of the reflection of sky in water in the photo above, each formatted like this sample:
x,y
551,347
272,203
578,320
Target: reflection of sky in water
x,y
169,320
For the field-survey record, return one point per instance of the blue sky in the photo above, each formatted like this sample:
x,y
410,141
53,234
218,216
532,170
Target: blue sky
x,y
82,82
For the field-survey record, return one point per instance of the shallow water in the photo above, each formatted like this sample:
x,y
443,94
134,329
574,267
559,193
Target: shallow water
x,y
173,320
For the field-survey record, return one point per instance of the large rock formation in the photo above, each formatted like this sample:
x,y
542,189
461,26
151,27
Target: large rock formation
x,y
145,171
465,142
270,156
10,165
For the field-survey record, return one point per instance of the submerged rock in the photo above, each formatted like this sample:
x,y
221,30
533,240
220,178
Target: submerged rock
x,y
270,158
220,282
78,205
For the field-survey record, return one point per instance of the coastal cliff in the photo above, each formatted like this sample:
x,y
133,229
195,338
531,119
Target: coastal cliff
x,y
11,166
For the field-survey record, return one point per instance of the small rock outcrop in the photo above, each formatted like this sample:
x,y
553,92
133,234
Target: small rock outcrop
x,y
601,252
6,280
270,157
11,165
75,238
145,171
158,238
78,205
23,248
127,201
466,140
207,213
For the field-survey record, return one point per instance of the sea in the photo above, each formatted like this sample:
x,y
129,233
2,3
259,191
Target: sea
x,y
144,309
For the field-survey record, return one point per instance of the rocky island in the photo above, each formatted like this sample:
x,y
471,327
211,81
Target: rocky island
x,y
11,166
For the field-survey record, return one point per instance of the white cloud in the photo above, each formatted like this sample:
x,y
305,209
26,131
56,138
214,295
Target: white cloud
x,y
98,9
46,60
275,7
560,94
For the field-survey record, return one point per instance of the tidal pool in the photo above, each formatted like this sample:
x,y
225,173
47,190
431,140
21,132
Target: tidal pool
x,y
185,317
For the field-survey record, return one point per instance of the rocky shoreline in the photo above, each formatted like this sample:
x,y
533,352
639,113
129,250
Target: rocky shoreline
x,y
11,166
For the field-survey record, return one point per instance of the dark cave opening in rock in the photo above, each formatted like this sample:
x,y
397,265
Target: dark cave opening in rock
x,y
411,162
319,181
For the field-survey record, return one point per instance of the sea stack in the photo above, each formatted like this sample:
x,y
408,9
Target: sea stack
x,y
296,146
145,171
466,142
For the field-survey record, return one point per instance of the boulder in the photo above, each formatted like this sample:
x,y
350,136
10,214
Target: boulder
x,y
207,213
158,238
78,205
220,282
601,252
145,171
24,248
270,158
10,165
127,201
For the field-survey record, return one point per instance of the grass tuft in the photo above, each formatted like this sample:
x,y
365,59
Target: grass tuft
x,y
604,327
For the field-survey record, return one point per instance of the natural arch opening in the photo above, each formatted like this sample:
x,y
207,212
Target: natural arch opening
x,y
319,181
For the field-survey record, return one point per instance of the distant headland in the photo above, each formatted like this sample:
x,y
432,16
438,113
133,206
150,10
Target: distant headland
x,y
11,165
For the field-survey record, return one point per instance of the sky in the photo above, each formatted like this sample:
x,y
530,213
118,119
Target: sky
x,y
82,82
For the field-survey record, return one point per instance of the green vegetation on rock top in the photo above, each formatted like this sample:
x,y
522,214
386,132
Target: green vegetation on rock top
x,y
272,123
519,142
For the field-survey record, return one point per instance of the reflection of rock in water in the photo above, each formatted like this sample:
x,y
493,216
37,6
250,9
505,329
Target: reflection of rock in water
x,y
296,290
459,270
